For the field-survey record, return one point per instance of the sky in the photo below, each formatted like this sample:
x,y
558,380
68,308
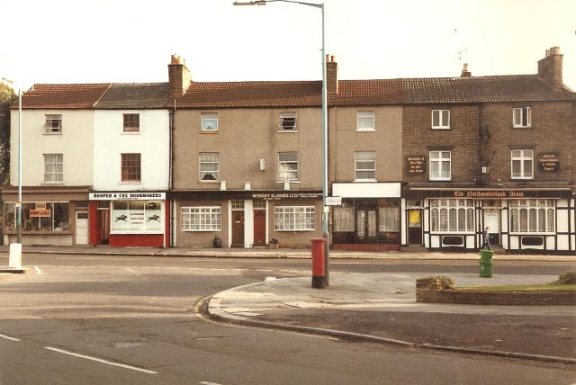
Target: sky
x,y
88,41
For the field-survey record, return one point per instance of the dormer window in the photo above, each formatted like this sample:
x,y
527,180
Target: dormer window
x,y
522,117
53,124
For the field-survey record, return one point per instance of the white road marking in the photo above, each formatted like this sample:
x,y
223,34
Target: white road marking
x,y
4,336
38,271
208,383
101,360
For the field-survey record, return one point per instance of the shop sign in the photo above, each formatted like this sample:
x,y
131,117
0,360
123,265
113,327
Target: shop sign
x,y
491,194
126,196
40,213
276,196
416,164
548,162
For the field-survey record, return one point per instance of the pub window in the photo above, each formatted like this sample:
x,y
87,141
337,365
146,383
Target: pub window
x,y
452,215
532,216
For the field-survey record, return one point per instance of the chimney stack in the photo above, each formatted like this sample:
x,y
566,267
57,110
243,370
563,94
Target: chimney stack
x,y
550,68
331,75
178,76
465,72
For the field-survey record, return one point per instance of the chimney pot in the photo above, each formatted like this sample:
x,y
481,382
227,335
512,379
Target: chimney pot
x,y
550,67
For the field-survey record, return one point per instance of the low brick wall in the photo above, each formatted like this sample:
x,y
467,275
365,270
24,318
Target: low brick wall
x,y
441,290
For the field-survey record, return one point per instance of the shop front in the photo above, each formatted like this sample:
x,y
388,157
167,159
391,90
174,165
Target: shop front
x,y
515,220
369,217
50,216
246,219
129,219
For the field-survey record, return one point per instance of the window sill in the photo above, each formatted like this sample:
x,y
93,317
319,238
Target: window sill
x,y
365,180
440,128
287,131
53,183
366,130
440,180
522,126
210,132
130,182
53,133
131,132
289,181
209,181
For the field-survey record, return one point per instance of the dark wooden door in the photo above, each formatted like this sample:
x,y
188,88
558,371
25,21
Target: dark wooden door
x,y
414,227
104,225
259,227
237,228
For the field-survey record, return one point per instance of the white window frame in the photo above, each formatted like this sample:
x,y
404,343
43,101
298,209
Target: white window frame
x,y
53,168
209,122
203,161
53,125
129,129
450,216
365,121
361,165
520,156
284,169
288,122
522,117
201,218
532,216
436,160
294,218
443,118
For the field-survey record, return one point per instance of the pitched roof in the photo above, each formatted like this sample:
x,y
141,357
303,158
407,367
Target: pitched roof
x,y
135,95
482,89
63,96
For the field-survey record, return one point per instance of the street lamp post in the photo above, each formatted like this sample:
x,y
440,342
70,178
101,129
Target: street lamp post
x,y
325,207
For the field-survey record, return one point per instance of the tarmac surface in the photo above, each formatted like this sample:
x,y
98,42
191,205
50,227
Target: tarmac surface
x,y
382,307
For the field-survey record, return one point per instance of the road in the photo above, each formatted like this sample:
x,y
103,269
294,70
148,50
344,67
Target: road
x,y
132,320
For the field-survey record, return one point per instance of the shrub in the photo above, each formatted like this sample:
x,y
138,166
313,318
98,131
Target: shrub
x,y
568,278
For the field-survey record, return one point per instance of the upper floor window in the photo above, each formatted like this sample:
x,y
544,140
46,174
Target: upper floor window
x,y
53,124
522,117
210,122
440,165
209,166
288,121
365,121
522,164
440,119
131,123
288,166
130,168
53,168
365,166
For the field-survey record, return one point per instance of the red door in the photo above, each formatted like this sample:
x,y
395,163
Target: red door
x,y
237,228
259,227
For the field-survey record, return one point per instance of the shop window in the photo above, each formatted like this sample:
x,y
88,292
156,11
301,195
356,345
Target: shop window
x,y
532,216
200,218
42,217
389,219
452,215
294,218
136,217
344,218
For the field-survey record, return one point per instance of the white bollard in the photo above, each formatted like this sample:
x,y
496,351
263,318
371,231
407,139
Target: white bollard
x,y
15,261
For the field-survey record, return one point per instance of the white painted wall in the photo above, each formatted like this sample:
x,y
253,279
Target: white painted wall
x,y
153,142
75,143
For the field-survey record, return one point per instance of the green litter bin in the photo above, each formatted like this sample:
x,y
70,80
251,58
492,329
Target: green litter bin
x,y
486,263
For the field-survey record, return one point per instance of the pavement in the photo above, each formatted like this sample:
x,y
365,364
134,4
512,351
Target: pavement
x,y
382,307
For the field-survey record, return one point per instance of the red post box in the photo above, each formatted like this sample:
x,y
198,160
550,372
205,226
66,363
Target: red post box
x,y
318,266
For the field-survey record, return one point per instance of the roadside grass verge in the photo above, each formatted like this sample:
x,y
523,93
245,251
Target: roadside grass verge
x,y
546,288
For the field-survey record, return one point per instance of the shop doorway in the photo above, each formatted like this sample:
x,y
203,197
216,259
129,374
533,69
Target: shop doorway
x,y
81,229
259,223
415,227
366,224
104,226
